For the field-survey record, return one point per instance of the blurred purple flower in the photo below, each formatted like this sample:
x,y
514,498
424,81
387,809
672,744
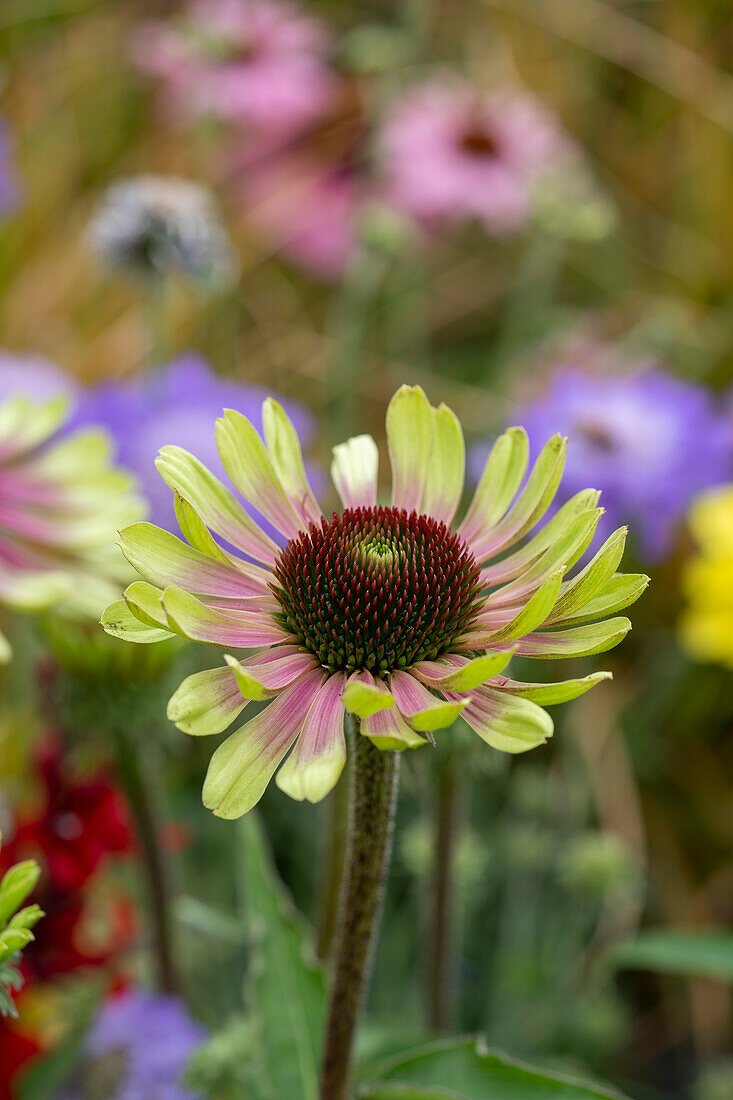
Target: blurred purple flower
x,y
137,1049
23,375
178,404
260,63
450,153
648,441
9,189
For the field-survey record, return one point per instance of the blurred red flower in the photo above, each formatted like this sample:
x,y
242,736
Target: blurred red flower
x,y
81,822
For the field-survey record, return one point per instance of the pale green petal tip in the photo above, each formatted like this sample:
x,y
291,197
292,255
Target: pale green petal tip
x,y
438,717
311,782
249,686
363,700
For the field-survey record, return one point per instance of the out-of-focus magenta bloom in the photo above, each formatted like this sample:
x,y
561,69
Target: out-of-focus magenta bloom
x,y
305,210
648,440
450,153
177,404
139,1046
9,189
259,63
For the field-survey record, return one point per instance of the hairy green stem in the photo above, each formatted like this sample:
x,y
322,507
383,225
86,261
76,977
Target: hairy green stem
x,y
374,777
440,962
136,781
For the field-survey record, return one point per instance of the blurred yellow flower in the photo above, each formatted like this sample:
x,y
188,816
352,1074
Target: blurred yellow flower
x,y
706,626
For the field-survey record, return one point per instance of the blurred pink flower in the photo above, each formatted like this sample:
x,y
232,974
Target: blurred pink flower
x,y
449,153
260,63
305,209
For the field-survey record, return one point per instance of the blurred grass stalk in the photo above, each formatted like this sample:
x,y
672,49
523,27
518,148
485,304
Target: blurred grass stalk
x,y
138,780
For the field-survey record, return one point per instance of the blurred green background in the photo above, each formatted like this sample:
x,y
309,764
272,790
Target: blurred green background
x,y
623,822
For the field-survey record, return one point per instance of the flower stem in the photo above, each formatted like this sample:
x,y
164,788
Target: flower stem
x,y
374,776
142,805
440,962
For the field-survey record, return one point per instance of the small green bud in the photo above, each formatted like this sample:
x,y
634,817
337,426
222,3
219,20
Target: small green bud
x,y
13,940
27,918
385,230
16,886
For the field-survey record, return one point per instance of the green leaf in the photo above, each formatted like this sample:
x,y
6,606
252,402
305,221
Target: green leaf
x,y
285,988
396,1090
698,954
465,1069
15,887
207,920
45,1076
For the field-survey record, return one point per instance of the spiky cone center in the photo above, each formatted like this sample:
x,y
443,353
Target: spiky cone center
x,y
376,589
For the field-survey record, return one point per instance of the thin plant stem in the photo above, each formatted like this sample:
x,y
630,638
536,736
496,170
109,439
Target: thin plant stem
x,y
333,868
374,778
153,291
352,319
137,782
441,940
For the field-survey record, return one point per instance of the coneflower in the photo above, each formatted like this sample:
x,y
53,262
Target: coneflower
x,y
391,615
394,614
61,500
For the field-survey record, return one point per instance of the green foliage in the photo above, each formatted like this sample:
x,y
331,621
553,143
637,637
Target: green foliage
x,y
15,926
10,982
464,1069
285,990
227,1066
697,954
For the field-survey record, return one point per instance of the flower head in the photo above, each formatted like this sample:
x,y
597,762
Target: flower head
x,y
61,500
261,63
450,154
155,225
137,1049
176,404
625,433
707,623
394,613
